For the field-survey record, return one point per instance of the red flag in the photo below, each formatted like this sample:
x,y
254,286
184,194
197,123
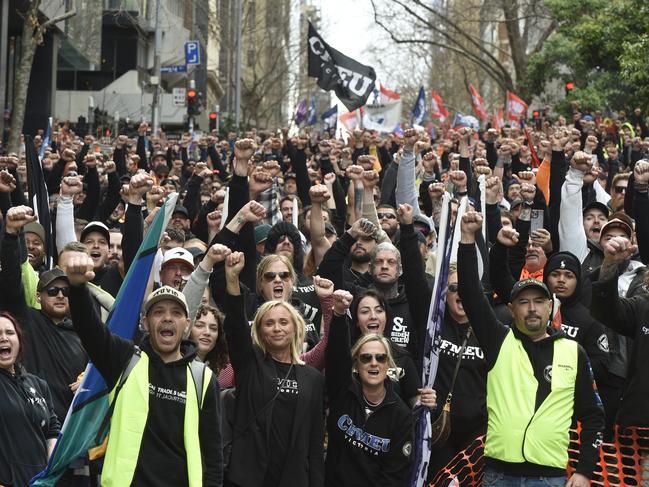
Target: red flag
x,y
349,120
438,110
388,95
478,104
535,157
497,120
516,107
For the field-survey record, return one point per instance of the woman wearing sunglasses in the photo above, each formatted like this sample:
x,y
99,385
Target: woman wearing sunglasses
x,y
370,428
370,313
275,278
278,416
28,423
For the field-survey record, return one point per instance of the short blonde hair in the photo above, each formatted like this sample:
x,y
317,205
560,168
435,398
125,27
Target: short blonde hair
x,y
266,262
374,337
298,322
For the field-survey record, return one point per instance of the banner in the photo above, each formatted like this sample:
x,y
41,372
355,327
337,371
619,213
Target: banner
x,y
312,118
330,118
349,120
45,143
388,95
437,108
516,107
301,112
478,104
498,120
38,196
418,112
82,429
350,80
382,117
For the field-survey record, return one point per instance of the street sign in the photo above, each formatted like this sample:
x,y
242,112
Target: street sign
x,y
179,96
174,69
192,52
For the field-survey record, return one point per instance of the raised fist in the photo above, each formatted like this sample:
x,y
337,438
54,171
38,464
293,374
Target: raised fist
x,y
581,161
319,193
618,249
17,217
244,149
71,185
641,171
507,236
405,214
362,228
370,178
342,301
470,224
79,268
215,254
354,172
436,190
7,182
323,287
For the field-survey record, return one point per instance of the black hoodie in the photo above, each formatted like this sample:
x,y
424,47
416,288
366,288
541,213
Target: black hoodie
x,y
162,460
364,449
27,421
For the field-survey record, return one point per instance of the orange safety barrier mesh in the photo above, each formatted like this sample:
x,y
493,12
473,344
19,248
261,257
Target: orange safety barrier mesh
x,y
624,463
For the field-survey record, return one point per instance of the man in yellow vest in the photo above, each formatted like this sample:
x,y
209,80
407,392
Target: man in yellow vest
x,y
539,383
165,424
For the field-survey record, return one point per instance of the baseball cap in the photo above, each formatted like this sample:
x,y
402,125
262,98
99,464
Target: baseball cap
x,y
289,175
181,209
178,254
330,229
95,226
48,277
159,154
529,283
165,293
35,228
261,233
422,220
596,205
617,223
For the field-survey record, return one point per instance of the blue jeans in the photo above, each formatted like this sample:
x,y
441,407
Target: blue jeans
x,y
493,478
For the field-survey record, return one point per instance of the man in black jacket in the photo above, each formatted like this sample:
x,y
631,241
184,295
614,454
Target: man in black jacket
x,y
151,441
53,350
538,382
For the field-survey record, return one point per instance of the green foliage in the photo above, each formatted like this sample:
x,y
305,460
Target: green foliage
x,y
600,45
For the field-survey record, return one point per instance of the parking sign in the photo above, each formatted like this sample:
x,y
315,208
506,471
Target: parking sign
x,y
192,52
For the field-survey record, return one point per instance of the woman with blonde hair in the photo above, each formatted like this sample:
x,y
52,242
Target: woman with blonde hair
x,y
277,436
370,427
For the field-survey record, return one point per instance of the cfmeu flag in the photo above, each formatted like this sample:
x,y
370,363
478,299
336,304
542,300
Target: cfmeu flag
x,y
418,112
85,426
330,118
516,107
350,80
38,196
478,103
437,108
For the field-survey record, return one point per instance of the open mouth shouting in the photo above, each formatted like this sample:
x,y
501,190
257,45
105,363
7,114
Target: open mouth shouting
x,y
95,255
374,327
278,291
5,352
167,335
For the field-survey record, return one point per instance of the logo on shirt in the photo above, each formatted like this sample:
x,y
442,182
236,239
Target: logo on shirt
x,y
399,333
361,439
571,331
288,386
547,374
602,343
407,449
453,349
167,394
645,330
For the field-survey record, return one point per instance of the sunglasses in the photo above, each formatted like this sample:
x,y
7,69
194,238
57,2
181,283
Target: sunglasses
x,y
54,291
388,216
366,358
452,288
270,276
620,189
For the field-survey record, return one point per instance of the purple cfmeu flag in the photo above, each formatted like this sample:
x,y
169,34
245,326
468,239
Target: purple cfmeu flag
x,y
423,431
301,112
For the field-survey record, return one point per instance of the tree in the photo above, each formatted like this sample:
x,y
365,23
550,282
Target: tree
x,y
600,46
463,29
34,29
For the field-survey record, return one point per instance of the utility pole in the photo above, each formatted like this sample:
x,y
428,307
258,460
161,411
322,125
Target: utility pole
x,y
155,78
4,73
239,54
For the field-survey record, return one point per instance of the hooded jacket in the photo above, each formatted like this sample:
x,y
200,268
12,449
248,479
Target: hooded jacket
x,y
162,459
27,417
364,449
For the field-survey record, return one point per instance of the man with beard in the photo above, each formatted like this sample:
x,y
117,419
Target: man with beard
x,y
53,350
115,249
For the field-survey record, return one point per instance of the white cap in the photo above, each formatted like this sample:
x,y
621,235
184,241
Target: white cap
x,y
178,254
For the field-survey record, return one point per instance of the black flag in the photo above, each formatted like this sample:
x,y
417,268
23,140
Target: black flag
x,y
351,81
38,196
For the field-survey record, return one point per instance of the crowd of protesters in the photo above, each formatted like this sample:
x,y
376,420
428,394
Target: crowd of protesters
x,y
293,285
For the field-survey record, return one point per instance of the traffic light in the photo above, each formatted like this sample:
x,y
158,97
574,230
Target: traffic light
x,y
192,102
569,87
213,117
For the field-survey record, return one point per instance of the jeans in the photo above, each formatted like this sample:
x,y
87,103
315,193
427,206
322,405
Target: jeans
x,y
493,478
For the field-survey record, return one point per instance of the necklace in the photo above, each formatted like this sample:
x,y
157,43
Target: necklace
x,y
372,404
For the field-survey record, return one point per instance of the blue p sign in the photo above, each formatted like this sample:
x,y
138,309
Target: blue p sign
x,y
192,52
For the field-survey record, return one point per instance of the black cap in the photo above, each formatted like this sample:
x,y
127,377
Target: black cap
x,y
565,261
596,205
48,277
330,229
180,209
529,283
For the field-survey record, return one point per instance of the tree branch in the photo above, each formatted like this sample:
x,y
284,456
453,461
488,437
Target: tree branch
x,y
59,18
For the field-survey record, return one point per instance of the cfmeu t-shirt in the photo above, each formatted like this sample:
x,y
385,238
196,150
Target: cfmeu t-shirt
x,y
281,425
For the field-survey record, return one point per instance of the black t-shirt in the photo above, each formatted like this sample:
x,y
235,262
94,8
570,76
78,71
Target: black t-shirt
x,y
281,422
